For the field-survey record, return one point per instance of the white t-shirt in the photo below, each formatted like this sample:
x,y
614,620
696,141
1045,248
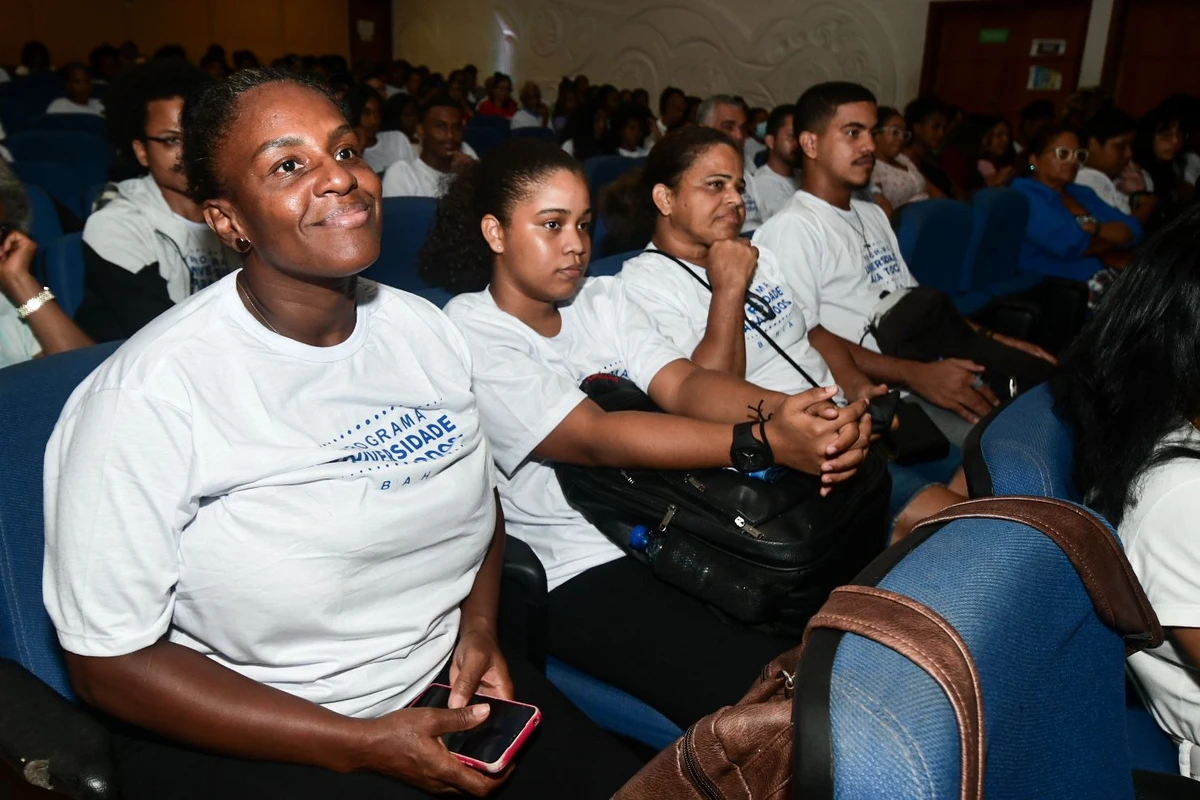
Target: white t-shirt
x,y
1103,186
17,342
525,119
415,179
526,384
310,517
750,148
641,152
900,185
1191,168
838,262
389,147
65,105
678,304
1159,533
771,190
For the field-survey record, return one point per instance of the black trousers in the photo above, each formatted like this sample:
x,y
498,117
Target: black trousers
x,y
619,623
567,756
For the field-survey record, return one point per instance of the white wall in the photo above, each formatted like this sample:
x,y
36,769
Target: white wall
x,y
765,50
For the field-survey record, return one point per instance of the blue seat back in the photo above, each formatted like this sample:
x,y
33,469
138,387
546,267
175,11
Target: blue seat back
x,y
13,115
1027,449
1000,217
64,271
1052,677
87,123
600,171
86,153
492,121
610,265
933,240
89,197
57,179
31,398
45,227
544,134
483,138
35,92
406,223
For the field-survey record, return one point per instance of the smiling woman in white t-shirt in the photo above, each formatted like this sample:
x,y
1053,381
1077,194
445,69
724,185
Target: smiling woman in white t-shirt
x,y
725,302
270,515
1130,389
513,232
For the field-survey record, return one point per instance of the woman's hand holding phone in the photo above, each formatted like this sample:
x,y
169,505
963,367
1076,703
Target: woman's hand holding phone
x,y
407,745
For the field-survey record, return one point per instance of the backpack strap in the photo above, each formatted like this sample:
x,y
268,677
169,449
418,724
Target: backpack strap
x,y
921,635
1093,551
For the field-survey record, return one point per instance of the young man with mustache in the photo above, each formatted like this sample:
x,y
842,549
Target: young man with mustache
x,y
841,256
148,247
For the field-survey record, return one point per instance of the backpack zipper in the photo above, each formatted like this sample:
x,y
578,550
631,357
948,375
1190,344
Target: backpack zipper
x,y
697,777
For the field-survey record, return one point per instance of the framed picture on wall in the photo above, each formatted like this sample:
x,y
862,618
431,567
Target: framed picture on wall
x,y
1048,47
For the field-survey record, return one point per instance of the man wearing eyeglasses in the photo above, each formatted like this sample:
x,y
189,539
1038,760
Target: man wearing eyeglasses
x,y
148,247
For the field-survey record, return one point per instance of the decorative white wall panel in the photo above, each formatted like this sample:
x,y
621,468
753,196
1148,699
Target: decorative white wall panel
x,y
766,50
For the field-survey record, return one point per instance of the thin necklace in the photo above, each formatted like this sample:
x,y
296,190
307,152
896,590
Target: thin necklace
x,y
254,309
861,230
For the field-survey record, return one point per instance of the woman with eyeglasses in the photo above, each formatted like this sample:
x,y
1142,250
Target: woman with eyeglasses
x,y
1071,233
895,173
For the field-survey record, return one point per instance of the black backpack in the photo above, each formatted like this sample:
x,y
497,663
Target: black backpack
x,y
761,551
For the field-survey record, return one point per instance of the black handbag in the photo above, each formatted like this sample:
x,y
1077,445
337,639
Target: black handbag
x,y
922,324
762,551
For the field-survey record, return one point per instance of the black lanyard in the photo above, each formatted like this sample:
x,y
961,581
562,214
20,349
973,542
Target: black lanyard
x,y
755,302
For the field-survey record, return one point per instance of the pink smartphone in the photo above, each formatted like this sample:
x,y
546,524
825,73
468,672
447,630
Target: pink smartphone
x,y
490,747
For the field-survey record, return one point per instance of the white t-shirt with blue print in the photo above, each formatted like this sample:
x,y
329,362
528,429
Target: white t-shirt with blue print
x,y
310,517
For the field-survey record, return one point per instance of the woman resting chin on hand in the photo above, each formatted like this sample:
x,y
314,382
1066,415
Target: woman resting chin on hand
x,y
248,560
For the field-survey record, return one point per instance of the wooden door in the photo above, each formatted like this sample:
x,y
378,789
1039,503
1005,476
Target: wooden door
x,y
981,56
370,32
1152,52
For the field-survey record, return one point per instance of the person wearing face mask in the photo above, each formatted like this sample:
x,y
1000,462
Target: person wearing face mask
x,y
926,118
841,257
441,134
756,134
148,248
774,183
726,114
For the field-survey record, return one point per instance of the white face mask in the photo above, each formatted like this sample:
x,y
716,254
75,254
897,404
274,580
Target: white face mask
x,y
760,130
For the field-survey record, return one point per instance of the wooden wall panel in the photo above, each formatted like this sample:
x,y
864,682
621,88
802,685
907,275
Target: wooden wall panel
x,y
71,28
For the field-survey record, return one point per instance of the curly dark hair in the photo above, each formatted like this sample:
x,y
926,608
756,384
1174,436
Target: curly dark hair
x,y
1133,375
207,117
357,99
455,256
627,205
132,92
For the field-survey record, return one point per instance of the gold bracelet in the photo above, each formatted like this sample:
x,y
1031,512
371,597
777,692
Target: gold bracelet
x,y
32,305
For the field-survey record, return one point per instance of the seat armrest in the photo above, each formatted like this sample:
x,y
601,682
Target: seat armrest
x,y
51,742
522,617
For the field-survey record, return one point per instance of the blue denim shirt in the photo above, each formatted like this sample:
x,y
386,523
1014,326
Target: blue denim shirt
x,y
1054,242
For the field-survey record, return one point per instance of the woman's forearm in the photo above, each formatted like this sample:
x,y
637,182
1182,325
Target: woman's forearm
x,y
178,693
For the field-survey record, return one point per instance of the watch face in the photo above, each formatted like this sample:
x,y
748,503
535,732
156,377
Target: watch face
x,y
749,459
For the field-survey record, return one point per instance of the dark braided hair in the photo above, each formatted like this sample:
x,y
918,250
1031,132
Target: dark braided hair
x,y
208,116
455,256
627,205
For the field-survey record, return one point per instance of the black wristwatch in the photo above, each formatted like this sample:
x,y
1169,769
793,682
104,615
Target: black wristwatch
x,y
748,453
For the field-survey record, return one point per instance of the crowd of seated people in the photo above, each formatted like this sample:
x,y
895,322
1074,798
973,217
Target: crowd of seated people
x,y
227,254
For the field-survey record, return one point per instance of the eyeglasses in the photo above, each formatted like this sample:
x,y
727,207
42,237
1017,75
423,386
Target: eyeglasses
x,y
892,130
169,142
1066,154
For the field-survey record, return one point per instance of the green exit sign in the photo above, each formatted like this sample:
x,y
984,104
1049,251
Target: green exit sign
x,y
993,35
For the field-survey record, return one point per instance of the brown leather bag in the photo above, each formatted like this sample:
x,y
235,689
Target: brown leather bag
x,y
745,751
